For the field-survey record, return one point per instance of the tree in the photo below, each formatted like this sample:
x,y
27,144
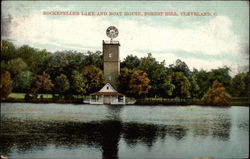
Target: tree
x,y
124,80
42,84
156,72
6,84
202,80
239,85
221,75
180,66
181,83
194,90
168,87
94,77
64,62
78,83
94,59
61,84
8,51
130,62
216,95
23,81
139,83
16,66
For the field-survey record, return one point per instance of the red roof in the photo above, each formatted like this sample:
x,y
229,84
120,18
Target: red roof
x,y
107,94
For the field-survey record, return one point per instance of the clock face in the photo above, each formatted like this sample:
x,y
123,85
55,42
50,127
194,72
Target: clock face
x,y
112,32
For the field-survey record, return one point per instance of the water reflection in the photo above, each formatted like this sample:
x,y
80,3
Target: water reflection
x,y
105,135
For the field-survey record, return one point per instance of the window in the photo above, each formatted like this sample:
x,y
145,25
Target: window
x,y
110,78
107,88
110,55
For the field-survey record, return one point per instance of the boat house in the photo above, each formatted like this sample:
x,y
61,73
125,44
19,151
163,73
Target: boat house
x,y
107,95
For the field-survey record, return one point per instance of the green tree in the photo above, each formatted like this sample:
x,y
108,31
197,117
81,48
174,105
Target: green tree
x,y
181,83
61,84
78,83
221,75
168,87
6,84
201,78
180,66
23,81
94,59
8,51
194,90
124,80
64,62
130,62
217,95
139,83
16,66
156,72
239,85
94,77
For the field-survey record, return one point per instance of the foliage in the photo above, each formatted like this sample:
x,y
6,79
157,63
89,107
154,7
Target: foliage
x,y
16,66
94,59
130,62
217,95
23,81
94,77
239,85
124,80
168,87
78,83
180,66
181,83
221,75
156,72
8,51
64,62
43,84
61,84
139,83
5,85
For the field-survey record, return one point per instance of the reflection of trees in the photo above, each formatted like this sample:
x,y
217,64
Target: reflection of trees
x,y
148,133
218,128
104,135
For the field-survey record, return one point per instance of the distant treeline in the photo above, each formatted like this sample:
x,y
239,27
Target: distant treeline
x,y
32,71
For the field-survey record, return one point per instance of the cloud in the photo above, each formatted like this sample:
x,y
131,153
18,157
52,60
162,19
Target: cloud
x,y
214,37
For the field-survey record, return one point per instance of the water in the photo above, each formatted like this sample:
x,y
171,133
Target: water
x,y
112,132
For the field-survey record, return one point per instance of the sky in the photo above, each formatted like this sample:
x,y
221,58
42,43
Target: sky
x,y
202,42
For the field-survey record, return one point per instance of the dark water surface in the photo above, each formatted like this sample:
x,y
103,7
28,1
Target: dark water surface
x,y
112,132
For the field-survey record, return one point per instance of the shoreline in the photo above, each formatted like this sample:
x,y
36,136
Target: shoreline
x,y
140,103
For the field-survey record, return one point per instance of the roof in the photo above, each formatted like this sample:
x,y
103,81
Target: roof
x,y
107,88
107,94
111,42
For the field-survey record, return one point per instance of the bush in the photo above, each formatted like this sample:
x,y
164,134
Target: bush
x,y
216,96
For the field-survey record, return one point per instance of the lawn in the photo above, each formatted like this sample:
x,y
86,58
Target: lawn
x,y
22,95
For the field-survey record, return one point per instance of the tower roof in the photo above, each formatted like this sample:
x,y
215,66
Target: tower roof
x,y
115,42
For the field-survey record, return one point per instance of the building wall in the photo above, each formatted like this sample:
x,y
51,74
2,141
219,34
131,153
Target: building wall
x,y
111,63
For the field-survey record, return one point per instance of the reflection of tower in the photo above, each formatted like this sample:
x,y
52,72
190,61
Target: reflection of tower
x,y
111,132
111,57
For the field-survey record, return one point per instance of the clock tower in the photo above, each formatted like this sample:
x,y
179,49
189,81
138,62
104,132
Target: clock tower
x,y
111,57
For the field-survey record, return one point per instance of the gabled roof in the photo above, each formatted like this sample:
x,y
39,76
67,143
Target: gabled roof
x,y
107,90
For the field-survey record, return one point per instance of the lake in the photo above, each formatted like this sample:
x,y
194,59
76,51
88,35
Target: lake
x,y
111,132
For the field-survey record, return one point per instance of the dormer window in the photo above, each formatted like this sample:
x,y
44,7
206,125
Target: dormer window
x,y
110,55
